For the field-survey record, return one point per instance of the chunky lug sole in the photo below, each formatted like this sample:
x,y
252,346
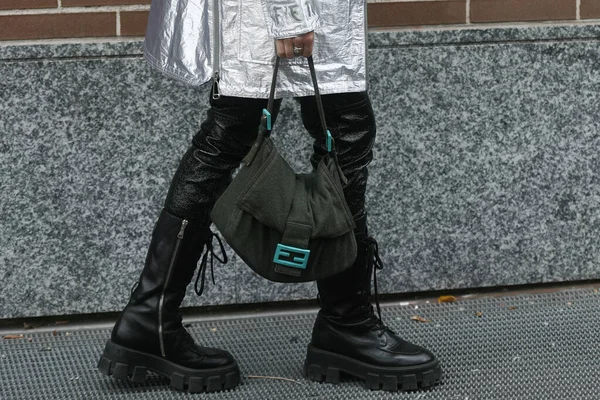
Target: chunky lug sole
x,y
128,364
324,366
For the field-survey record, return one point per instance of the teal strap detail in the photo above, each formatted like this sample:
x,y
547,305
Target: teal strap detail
x,y
268,114
329,141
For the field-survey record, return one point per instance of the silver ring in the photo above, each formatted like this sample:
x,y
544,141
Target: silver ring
x,y
298,50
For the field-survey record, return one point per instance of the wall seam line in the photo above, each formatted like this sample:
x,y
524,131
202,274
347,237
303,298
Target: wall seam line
x,y
468,20
75,10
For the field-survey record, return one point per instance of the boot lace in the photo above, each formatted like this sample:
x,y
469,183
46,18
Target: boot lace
x,y
204,263
374,264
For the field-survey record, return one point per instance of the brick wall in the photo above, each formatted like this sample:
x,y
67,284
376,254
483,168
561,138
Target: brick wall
x,y
44,19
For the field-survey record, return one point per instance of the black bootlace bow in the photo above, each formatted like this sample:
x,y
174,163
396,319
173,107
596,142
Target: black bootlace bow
x,y
204,263
374,263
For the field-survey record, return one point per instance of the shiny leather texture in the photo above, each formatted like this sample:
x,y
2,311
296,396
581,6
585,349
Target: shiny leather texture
x,y
232,42
224,139
351,121
169,268
368,341
347,325
228,132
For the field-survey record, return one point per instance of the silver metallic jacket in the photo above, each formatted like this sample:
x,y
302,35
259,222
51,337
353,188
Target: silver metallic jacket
x,y
232,41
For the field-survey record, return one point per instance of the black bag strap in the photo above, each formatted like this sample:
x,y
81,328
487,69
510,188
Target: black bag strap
x,y
266,122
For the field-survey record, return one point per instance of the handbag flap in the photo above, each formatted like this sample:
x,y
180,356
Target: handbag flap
x,y
270,187
276,195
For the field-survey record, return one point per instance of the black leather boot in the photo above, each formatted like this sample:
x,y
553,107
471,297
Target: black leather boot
x,y
149,335
349,338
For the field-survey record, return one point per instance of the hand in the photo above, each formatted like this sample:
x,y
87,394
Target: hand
x,y
285,47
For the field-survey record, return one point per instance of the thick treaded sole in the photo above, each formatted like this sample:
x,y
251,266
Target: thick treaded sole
x,y
325,366
128,364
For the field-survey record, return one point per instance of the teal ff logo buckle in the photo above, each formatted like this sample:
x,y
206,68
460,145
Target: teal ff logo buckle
x,y
291,256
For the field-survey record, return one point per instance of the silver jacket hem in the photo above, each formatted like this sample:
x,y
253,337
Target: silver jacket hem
x,y
186,40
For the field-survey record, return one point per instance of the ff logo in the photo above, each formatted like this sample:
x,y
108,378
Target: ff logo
x,y
291,256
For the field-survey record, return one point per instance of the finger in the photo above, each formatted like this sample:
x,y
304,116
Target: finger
x,y
299,42
309,41
289,48
280,48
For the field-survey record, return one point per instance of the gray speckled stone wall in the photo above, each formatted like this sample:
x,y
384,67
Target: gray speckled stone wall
x,y
485,172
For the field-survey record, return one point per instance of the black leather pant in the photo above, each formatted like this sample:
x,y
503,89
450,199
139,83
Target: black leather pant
x,y
230,128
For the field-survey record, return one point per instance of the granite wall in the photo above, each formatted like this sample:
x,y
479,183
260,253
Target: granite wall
x,y
485,171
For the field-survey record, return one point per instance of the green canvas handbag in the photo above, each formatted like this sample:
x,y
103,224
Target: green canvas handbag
x,y
287,227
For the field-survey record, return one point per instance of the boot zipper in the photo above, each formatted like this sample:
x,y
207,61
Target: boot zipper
x,y
164,290
216,50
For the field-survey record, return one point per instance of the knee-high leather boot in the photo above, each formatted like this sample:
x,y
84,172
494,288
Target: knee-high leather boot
x,y
347,336
149,334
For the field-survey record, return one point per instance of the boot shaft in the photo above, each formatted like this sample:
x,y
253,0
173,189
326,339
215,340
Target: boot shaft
x,y
347,293
152,311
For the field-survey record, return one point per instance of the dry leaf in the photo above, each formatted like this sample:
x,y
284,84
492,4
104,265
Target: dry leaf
x,y
446,299
13,337
419,319
512,308
54,333
479,314
213,329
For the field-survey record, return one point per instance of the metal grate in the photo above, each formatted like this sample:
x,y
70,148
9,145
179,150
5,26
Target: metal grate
x,y
544,346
